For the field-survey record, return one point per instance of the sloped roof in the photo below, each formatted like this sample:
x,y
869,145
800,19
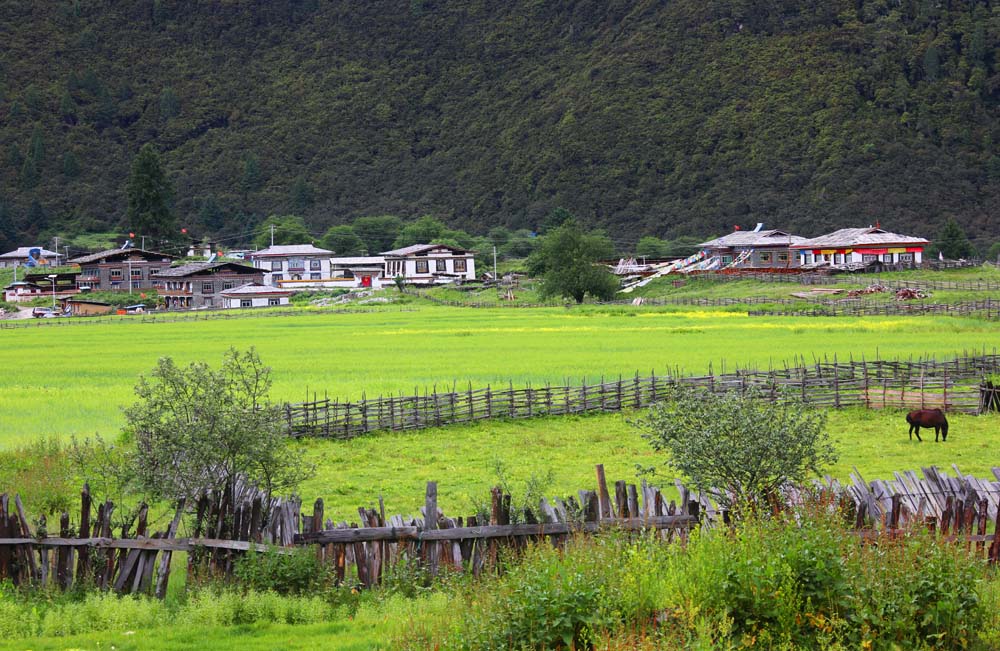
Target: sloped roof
x,y
22,252
289,249
858,237
358,260
256,289
748,239
198,268
420,248
110,254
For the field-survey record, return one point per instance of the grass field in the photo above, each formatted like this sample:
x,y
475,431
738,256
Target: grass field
x,y
73,380
462,459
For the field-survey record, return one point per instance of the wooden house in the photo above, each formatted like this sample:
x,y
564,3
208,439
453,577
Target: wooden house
x,y
201,284
23,291
120,269
85,307
861,246
255,295
758,249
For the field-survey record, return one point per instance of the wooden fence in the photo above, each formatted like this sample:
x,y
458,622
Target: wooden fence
x,y
986,309
239,520
192,315
806,278
952,385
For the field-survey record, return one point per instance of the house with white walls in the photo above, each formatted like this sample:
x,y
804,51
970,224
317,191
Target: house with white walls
x,y
294,266
430,264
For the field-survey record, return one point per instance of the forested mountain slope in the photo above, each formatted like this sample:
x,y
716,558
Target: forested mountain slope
x,y
667,117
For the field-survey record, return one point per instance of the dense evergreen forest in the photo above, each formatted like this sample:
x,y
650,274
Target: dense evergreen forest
x,y
642,117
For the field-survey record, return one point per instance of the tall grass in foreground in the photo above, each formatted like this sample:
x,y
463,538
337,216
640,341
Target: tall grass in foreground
x,y
768,585
797,582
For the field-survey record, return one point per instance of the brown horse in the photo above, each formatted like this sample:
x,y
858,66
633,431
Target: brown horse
x,y
928,418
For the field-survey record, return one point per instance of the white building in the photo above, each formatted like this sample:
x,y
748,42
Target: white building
x,y
294,266
19,257
430,264
850,246
359,272
252,295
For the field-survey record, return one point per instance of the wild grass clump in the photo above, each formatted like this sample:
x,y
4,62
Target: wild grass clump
x,y
796,582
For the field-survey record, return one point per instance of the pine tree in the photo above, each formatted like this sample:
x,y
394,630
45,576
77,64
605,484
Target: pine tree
x,y
149,197
301,195
251,174
70,165
952,242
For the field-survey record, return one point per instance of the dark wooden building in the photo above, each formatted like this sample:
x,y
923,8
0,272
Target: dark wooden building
x,y
118,269
200,284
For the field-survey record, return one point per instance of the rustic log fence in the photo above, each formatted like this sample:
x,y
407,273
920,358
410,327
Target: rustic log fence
x,y
241,520
986,309
953,385
165,316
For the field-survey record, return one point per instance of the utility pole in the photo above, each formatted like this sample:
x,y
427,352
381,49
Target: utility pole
x,y
143,242
495,277
272,234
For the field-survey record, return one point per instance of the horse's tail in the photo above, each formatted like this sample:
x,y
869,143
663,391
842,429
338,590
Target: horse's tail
x,y
909,418
944,426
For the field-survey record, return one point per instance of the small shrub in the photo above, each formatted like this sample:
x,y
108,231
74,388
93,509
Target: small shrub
x,y
283,571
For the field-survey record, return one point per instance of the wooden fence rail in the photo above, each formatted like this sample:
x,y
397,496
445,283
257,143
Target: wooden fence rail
x,y
952,385
241,520
986,309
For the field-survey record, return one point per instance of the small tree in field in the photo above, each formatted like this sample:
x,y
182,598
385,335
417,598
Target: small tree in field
x,y
194,429
741,446
565,263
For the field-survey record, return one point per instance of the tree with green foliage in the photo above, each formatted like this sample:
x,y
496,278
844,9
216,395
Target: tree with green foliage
x,y
554,220
377,232
250,182
29,175
301,195
211,215
196,429
650,247
952,242
993,253
741,447
36,218
8,230
288,229
70,165
565,263
343,241
521,244
425,230
170,104
150,194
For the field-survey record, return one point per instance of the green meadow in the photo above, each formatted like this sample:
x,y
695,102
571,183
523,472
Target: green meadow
x,y
463,459
62,381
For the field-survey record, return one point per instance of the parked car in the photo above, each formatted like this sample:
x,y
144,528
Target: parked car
x,y
44,313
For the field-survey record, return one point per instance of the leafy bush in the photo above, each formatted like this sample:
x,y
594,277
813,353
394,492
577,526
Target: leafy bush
x,y
283,571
